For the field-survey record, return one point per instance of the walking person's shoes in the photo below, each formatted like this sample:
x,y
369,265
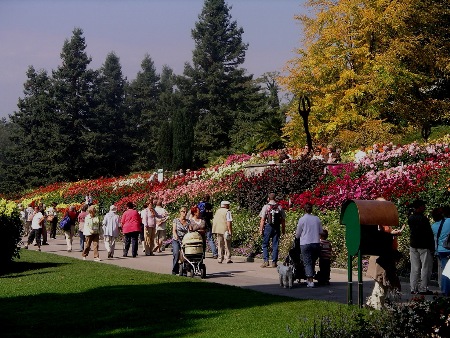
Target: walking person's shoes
x,y
310,284
25,247
215,257
274,265
230,261
265,265
97,259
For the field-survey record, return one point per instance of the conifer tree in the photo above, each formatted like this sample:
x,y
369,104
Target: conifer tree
x,y
73,94
217,90
108,152
142,98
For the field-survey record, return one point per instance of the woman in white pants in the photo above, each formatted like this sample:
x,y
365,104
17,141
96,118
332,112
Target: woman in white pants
x,y
111,224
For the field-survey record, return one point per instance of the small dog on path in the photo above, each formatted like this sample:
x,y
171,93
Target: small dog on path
x,y
286,276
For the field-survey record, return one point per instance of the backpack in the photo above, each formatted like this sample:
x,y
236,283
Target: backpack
x,y
65,223
273,215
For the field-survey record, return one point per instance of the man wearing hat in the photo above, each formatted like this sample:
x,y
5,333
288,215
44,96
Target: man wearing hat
x,y
222,227
421,249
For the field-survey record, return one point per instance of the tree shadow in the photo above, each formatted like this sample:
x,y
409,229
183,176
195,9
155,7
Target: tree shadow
x,y
159,310
20,267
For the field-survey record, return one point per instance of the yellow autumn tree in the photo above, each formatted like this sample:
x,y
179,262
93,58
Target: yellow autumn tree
x,y
373,65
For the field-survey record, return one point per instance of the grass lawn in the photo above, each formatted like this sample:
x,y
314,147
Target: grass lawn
x,y
47,295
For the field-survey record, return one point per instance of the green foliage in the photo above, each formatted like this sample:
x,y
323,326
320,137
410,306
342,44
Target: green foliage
x,y
11,229
285,179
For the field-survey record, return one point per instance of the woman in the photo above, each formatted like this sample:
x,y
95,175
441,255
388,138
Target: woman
x,y
72,213
111,224
441,217
198,224
181,227
149,221
91,232
131,227
52,219
81,219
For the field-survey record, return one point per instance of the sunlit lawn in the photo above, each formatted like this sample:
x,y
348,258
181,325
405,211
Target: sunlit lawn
x,y
48,295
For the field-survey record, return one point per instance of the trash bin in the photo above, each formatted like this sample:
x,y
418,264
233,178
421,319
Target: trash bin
x,y
362,236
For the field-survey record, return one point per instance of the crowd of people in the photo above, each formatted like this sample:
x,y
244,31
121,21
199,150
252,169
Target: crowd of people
x,y
148,226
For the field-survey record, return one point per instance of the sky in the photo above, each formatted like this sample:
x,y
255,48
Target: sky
x,y
32,33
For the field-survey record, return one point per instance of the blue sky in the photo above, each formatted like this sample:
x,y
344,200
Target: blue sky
x,y
32,32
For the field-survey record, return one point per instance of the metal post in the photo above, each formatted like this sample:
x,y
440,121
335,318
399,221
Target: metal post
x,y
360,281
349,283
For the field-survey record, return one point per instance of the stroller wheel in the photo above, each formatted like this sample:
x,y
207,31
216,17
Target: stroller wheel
x,y
203,268
191,272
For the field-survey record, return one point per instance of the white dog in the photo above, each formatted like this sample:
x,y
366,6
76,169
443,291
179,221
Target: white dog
x,y
286,276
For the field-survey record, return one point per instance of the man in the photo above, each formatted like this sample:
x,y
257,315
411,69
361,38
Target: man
x,y
309,228
207,215
272,222
222,227
421,249
36,228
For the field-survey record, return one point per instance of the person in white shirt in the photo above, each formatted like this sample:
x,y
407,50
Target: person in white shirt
x,y
36,228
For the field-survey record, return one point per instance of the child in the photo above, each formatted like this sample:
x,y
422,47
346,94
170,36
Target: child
x,y
323,276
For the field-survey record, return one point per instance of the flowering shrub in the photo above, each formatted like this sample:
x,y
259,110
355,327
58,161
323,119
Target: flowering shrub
x,y
11,230
399,175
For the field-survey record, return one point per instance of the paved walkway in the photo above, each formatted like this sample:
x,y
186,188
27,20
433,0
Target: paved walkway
x,y
240,273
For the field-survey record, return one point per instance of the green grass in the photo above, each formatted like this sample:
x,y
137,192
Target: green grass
x,y
47,295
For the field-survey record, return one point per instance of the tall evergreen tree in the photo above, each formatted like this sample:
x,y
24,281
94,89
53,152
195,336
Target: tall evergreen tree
x,y
218,91
73,91
11,178
108,152
165,107
142,101
182,130
39,139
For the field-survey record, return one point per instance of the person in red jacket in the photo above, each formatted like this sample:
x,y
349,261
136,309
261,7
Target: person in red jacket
x,y
131,227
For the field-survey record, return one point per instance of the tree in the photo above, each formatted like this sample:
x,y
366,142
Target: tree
x,y
166,105
73,94
38,140
11,179
218,91
142,98
108,153
371,60
183,134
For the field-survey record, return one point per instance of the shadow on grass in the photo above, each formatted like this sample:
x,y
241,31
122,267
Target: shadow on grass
x,y
98,300
22,268
158,310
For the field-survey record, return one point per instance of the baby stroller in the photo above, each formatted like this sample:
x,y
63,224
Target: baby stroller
x,y
191,255
294,259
